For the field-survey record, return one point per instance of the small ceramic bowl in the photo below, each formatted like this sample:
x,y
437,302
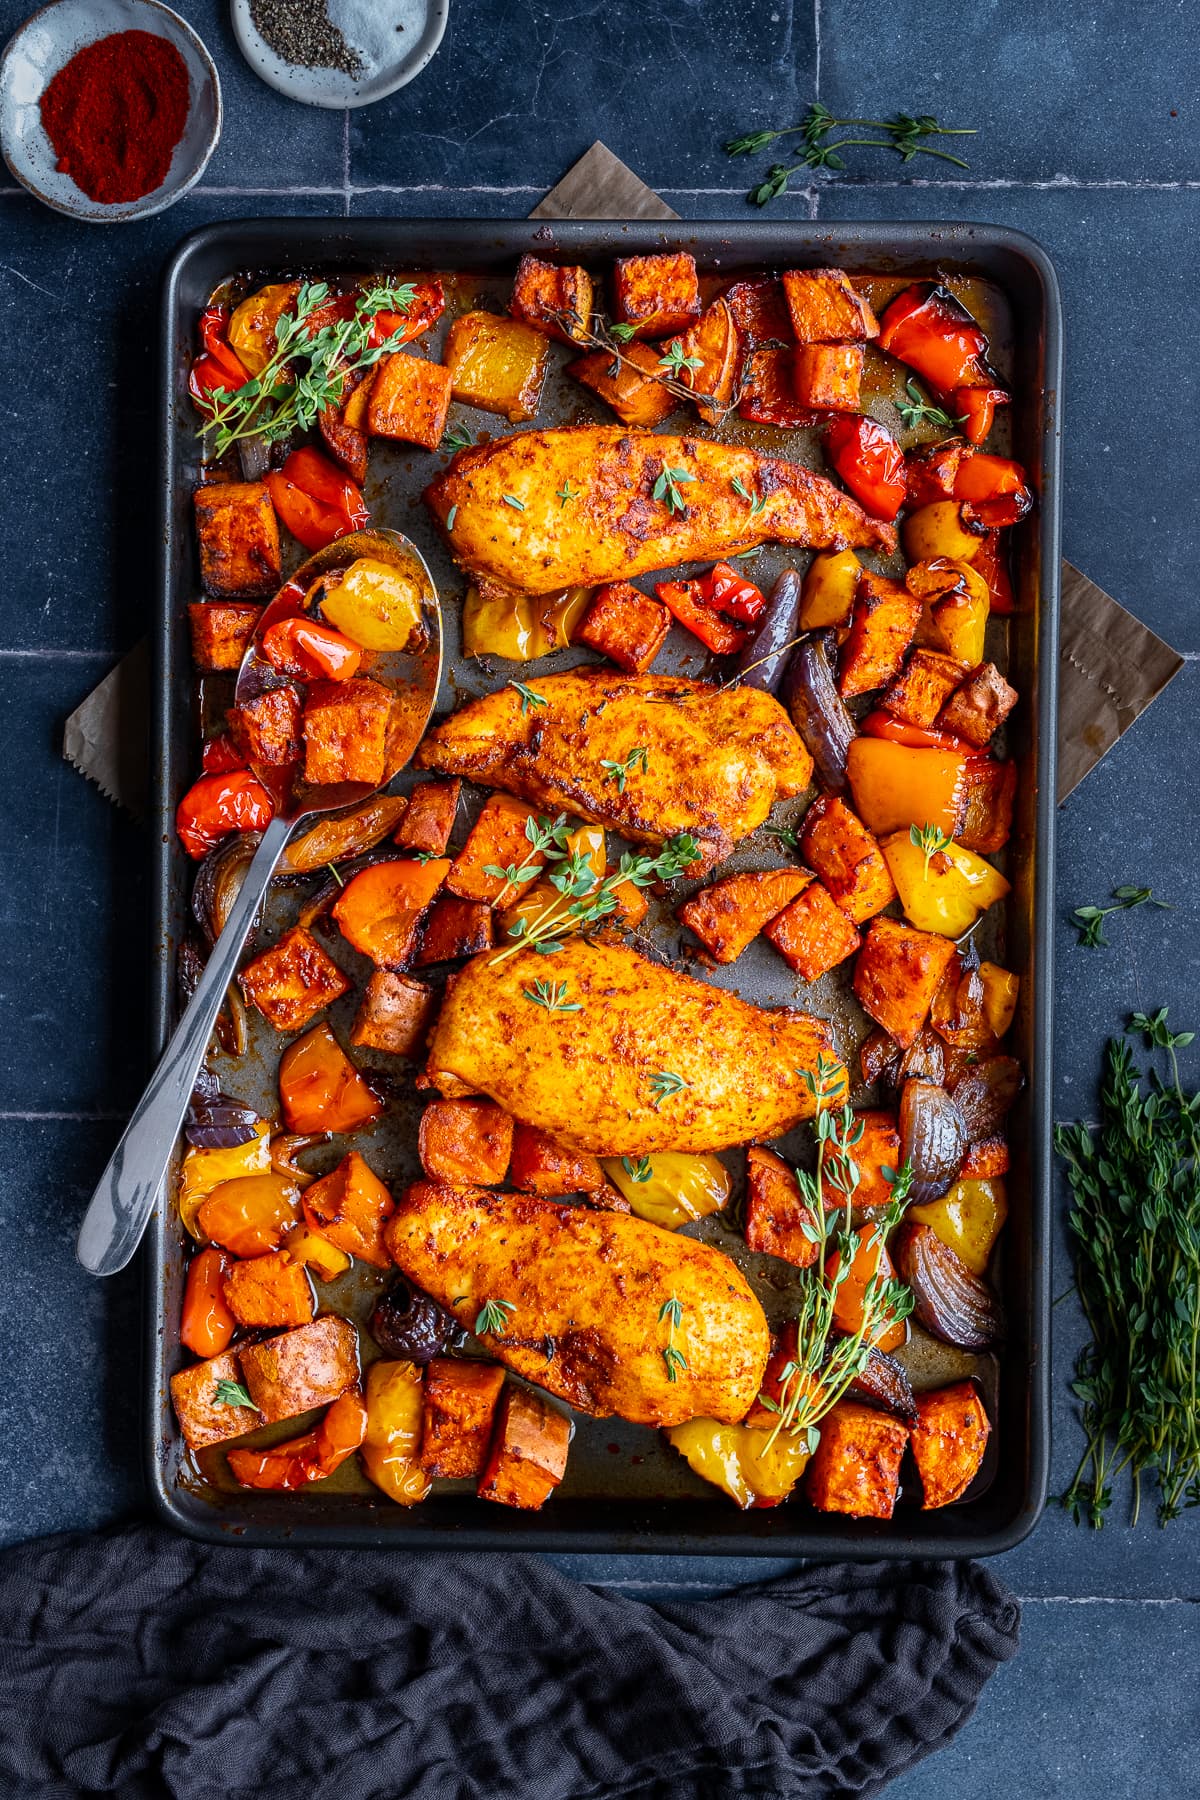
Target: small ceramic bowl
x,y
40,48
394,40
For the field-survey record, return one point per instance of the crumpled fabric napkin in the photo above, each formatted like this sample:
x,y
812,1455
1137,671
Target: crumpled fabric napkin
x,y
138,1663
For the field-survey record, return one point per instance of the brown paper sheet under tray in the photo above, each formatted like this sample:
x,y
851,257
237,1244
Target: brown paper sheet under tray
x,y
626,1489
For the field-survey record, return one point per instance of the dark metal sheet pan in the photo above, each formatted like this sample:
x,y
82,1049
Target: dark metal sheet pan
x,y
626,1490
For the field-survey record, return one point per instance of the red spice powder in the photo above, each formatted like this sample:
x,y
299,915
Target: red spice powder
x,y
115,113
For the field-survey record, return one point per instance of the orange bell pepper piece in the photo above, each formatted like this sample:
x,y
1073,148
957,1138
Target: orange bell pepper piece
x,y
895,786
311,1457
850,1301
350,1207
208,1323
379,911
320,1088
249,1215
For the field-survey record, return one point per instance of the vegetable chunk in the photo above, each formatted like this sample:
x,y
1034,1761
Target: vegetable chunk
x,y
467,1143
775,1213
350,1207
239,538
629,383
919,692
379,912
409,399
544,292
497,840
269,1290
203,1419
497,364
656,294
528,1457
813,934
825,309
949,1438
847,858
897,975
828,377
221,632
625,625
394,1015
541,1165
319,1087
730,914
429,820
292,981
301,1369
460,1404
345,732
856,1468
981,705
267,729
454,928
882,626
986,798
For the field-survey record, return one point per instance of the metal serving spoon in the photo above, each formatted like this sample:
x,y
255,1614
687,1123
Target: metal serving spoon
x,y
120,1208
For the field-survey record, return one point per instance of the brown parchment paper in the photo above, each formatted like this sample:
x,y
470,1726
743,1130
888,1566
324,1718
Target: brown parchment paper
x,y
1112,666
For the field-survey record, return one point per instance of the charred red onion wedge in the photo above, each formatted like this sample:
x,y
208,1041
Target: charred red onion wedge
x,y
951,1302
286,1146
216,1122
763,662
933,1138
337,838
924,1060
879,1058
884,1383
817,709
984,1092
218,880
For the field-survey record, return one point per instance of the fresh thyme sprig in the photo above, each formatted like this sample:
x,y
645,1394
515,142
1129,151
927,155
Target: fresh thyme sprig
x,y
756,501
639,757
553,996
307,370
577,905
666,1084
231,1393
1089,920
1135,1222
917,409
667,488
491,1320
528,697
600,334
904,133
786,834
671,1313
639,1171
457,438
930,840
675,360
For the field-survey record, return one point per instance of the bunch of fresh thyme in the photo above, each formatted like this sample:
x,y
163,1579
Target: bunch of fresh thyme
x,y
904,134
1135,1221
820,1373
307,370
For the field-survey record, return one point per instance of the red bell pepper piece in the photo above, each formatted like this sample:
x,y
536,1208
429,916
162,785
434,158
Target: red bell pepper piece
x,y
220,755
976,407
311,651
219,367
917,737
726,590
682,598
217,805
991,561
311,1457
870,462
928,329
995,488
316,500
208,1323
426,308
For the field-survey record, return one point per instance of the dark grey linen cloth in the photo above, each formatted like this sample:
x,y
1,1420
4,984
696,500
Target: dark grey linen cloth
x,y
138,1663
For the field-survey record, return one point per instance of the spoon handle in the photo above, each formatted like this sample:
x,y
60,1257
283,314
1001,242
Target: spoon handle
x,y
120,1208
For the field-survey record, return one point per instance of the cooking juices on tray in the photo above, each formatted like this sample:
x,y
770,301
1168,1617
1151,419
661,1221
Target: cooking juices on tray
x,y
579,1093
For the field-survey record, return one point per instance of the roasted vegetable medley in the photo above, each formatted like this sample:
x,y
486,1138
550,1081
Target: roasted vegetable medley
x,y
537,927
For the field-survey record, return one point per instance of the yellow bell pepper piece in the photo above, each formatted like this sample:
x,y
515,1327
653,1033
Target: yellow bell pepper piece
x,y
304,1245
968,1218
376,604
828,592
204,1170
895,786
521,627
391,1448
252,325
948,892
938,530
1000,990
735,1458
671,1187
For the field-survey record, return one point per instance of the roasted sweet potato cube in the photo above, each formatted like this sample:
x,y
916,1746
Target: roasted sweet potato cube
x,y
459,1409
269,1290
350,1206
847,857
813,934
394,1015
528,1457
203,1419
239,538
775,1214
760,310
989,789
656,294
497,840
632,904
949,1437
825,309
981,705
625,625
882,626
897,975
730,913
712,343
267,728
221,632
497,364
541,1165
356,408
856,1468
630,383
876,1150
828,377
987,1160
379,912
453,928
557,300
409,399
768,395
301,1369
466,1143
292,981
429,820
345,731
918,693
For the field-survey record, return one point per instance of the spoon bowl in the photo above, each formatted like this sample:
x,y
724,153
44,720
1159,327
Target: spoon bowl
x,y
121,1206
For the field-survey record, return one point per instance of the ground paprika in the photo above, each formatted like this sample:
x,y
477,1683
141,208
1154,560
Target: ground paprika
x,y
115,113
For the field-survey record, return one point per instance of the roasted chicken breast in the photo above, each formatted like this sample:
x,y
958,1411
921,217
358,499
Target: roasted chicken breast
x,y
715,759
584,1295
500,505
604,1079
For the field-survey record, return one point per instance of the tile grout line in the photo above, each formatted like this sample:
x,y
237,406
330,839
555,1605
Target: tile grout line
x,y
347,187
816,57
347,190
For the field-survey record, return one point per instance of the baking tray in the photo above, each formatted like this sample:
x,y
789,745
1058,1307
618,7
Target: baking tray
x,y
625,1489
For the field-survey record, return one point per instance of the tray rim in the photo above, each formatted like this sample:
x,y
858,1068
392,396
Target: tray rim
x,y
794,241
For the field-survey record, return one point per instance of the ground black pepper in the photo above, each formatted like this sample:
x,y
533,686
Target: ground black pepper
x,y
303,34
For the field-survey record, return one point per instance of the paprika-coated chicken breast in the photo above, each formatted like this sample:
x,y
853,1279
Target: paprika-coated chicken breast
x,y
595,1078
500,506
715,759
584,1296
